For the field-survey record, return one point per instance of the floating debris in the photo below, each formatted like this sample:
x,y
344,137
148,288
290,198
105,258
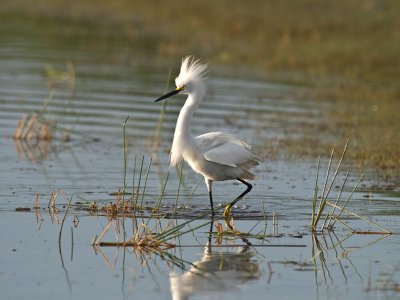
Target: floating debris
x,y
20,209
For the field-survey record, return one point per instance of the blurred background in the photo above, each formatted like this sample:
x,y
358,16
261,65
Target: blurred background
x,y
76,58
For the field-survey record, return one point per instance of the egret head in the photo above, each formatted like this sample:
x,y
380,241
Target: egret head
x,y
190,79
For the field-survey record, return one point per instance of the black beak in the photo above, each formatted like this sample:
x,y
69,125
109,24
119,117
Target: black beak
x,y
172,93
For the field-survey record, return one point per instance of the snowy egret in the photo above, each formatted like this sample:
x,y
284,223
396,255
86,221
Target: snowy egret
x,y
218,156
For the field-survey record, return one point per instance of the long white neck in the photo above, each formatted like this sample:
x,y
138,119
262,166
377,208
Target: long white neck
x,y
183,137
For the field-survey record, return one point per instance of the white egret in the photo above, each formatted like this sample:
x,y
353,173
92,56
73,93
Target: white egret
x,y
218,156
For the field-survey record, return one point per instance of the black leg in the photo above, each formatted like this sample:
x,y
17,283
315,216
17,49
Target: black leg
x,y
248,189
211,202
209,188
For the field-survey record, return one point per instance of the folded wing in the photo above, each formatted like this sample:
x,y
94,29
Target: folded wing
x,y
225,149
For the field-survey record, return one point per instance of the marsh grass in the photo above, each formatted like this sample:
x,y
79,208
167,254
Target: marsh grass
x,y
158,237
158,234
148,238
155,142
143,238
180,168
140,178
125,157
321,197
145,180
152,234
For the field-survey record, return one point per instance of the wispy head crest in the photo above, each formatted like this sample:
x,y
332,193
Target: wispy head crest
x,y
191,70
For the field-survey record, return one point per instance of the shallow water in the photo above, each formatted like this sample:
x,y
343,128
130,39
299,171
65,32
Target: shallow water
x,y
112,83
33,265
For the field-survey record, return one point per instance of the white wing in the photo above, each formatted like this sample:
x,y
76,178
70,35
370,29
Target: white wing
x,y
225,149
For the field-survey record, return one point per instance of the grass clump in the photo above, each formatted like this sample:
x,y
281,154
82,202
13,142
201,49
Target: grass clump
x,y
33,126
37,130
144,239
321,196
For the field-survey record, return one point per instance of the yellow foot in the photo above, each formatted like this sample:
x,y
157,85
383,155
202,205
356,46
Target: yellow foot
x,y
227,211
230,224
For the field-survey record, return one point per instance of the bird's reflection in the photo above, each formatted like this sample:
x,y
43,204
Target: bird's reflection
x,y
218,270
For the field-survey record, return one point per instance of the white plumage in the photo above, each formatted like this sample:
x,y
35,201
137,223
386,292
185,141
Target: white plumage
x,y
218,156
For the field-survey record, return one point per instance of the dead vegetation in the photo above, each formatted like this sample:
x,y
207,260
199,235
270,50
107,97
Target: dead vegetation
x,y
33,126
